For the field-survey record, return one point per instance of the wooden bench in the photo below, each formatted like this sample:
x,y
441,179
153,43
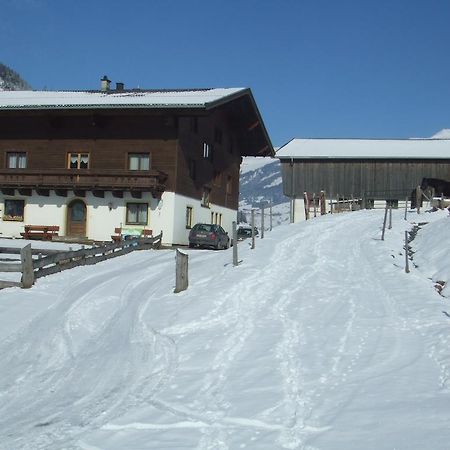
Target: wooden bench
x,y
121,233
44,232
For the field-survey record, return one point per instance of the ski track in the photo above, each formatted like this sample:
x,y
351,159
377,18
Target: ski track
x,y
146,359
56,362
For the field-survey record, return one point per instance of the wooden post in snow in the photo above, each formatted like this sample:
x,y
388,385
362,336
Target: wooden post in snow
x,y
270,214
306,205
253,228
390,215
323,206
27,266
235,244
384,221
406,207
262,221
406,253
181,271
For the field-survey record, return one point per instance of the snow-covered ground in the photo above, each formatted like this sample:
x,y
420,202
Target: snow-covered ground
x,y
317,340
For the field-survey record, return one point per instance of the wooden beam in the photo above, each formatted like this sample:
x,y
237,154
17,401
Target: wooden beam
x,y
253,125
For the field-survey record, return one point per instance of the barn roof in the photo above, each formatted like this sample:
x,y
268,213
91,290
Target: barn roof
x,y
365,149
176,98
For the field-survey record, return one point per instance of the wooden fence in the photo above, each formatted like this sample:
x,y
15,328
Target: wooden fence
x,y
47,262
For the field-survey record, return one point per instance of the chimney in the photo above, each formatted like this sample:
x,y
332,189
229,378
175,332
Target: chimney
x,y
104,87
120,86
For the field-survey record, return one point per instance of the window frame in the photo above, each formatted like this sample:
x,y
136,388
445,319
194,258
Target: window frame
x,y
206,197
189,216
15,217
208,151
141,207
79,156
140,156
17,154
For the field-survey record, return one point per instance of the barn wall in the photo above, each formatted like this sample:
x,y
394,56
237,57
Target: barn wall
x,y
377,179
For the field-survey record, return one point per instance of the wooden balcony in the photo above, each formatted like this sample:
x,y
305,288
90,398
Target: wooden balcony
x,y
84,180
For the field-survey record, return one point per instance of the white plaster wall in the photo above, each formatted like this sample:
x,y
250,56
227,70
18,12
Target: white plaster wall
x,y
105,214
200,214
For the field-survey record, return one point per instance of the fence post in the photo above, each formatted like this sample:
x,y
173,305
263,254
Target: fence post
x,y
323,206
406,207
262,221
270,215
235,244
406,253
331,202
306,205
181,271
384,221
253,228
27,267
390,216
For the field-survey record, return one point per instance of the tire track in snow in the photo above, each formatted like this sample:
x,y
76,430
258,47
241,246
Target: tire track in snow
x,y
110,385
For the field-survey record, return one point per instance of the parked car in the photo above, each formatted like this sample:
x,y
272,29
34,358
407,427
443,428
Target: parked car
x,y
208,235
244,232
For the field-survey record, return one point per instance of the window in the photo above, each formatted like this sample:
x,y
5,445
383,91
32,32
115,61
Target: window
x,y
16,160
207,151
205,197
14,210
189,216
139,161
78,160
137,213
212,218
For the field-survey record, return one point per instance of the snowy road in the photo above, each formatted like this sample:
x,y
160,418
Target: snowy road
x,y
318,340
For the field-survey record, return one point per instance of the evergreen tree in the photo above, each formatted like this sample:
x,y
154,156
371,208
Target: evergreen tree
x,y
11,80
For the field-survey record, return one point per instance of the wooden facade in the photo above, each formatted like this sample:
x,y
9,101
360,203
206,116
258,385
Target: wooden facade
x,y
376,169
373,179
191,148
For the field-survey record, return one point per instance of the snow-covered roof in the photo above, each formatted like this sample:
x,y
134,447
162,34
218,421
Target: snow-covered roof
x,y
194,98
365,149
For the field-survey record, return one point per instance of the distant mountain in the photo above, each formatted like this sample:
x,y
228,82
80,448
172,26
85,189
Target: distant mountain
x,y
443,134
261,184
11,80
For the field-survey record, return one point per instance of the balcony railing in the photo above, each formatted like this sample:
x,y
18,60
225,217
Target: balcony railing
x,y
140,181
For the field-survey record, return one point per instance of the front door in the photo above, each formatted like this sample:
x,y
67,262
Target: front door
x,y
76,218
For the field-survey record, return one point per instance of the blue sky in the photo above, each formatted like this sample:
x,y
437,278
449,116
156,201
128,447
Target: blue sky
x,y
317,68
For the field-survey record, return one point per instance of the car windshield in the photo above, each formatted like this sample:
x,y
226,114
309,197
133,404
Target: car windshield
x,y
204,228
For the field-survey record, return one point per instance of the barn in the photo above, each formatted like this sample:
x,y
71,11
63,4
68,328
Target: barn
x,y
369,170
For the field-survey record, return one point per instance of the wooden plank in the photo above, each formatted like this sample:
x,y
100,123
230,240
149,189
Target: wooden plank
x,y
34,251
10,267
7,284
